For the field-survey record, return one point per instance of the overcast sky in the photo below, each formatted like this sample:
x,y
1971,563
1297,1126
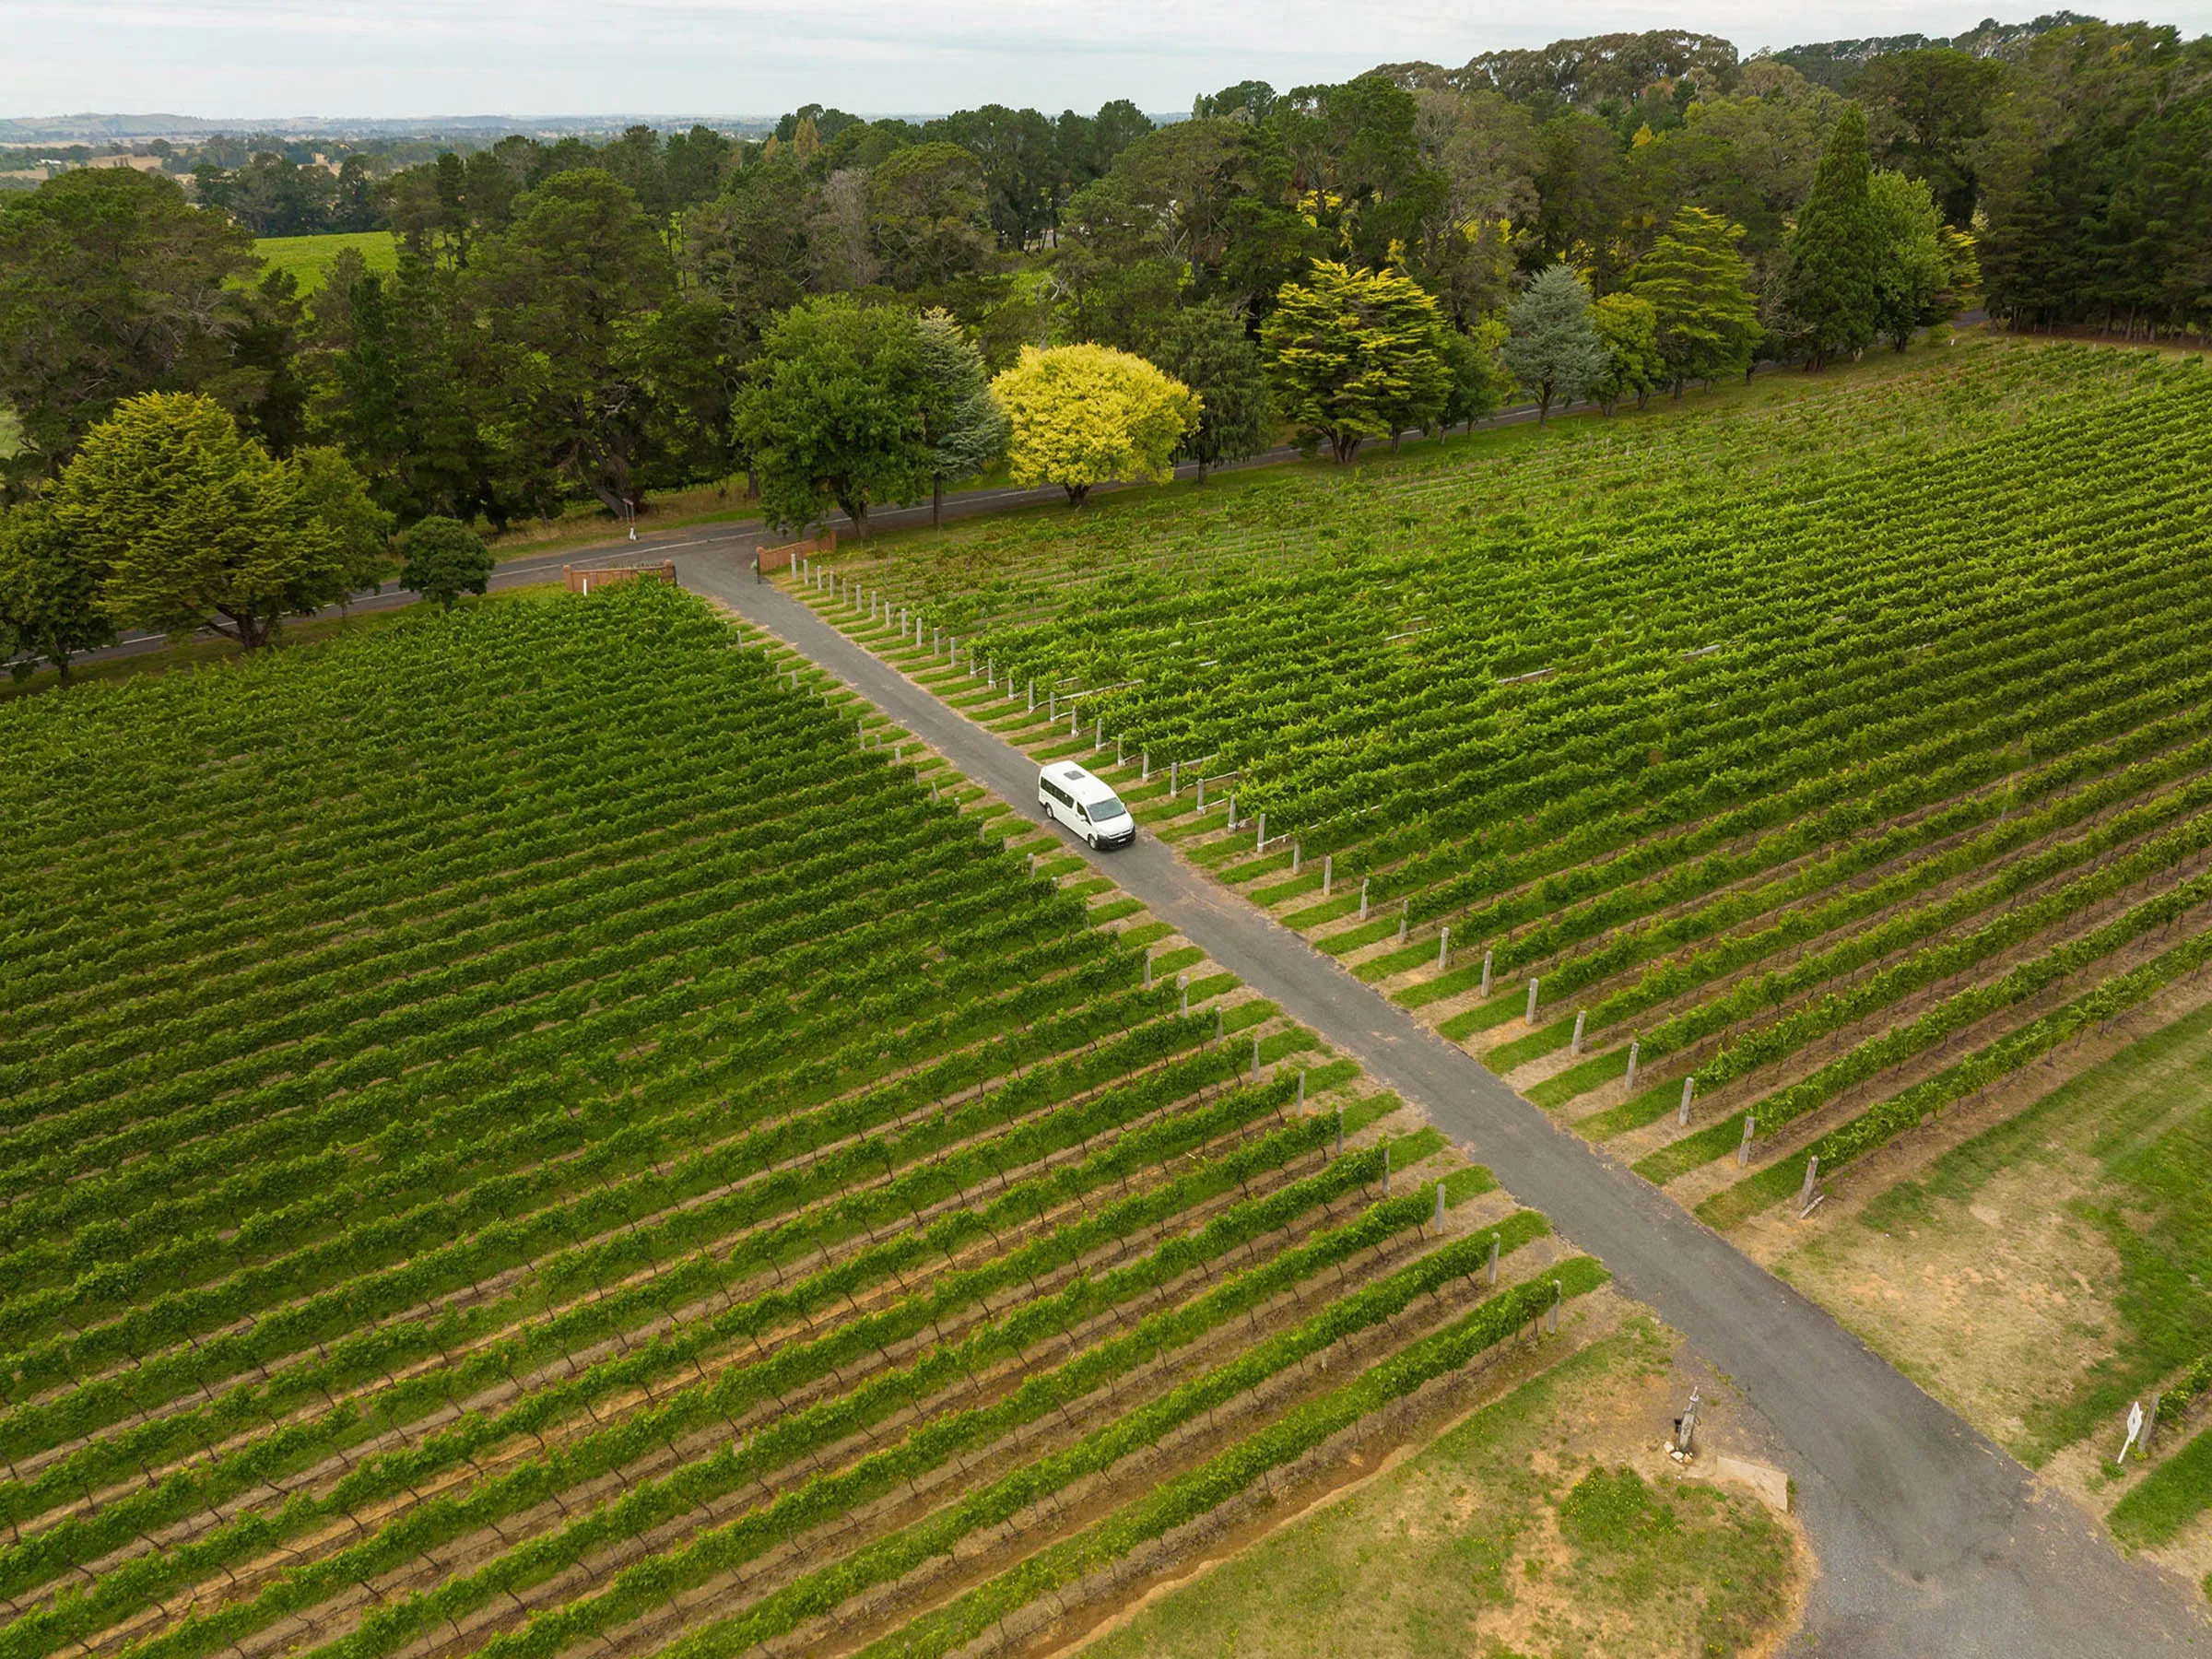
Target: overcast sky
x,y
266,58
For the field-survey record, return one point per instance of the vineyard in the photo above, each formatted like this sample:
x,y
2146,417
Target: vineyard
x,y
557,1130
1750,784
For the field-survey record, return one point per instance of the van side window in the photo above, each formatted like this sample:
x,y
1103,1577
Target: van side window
x,y
1058,793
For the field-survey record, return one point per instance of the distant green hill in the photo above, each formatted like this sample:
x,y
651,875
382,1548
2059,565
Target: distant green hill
x,y
310,257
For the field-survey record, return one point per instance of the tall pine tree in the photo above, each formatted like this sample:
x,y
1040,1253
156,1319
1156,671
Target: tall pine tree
x,y
1829,285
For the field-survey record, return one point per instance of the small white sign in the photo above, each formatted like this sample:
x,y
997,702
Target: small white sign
x,y
2134,1426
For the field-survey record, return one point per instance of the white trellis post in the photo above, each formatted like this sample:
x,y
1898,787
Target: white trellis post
x,y
1581,1017
1531,1016
1634,1043
1690,1093
1485,973
1444,944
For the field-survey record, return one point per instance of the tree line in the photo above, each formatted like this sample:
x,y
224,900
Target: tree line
x,y
834,310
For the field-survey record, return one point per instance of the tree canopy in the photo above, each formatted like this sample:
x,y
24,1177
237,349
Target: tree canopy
x,y
1088,415
832,411
1552,345
1700,292
1354,355
187,524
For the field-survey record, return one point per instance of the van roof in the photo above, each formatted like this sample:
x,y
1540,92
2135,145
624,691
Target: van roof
x,y
1078,783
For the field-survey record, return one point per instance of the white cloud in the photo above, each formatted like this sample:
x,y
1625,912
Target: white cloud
x,y
266,58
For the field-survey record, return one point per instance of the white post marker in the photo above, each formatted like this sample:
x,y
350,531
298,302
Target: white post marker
x,y
1260,845
1581,1017
1297,853
1530,1017
1401,925
1201,792
1485,973
1147,765
1494,1237
1301,1088
1743,1150
1689,1091
1256,1056
1328,872
1634,1043
1173,767
1363,881
1444,944
2134,1427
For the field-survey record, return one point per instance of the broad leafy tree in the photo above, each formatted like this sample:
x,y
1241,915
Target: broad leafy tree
x,y
1629,327
832,411
1354,355
1835,250
441,559
187,524
360,531
1207,348
49,595
1480,382
1698,287
1552,344
1085,414
1909,279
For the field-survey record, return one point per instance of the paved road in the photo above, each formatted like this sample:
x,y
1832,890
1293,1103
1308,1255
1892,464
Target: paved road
x,y
1933,1543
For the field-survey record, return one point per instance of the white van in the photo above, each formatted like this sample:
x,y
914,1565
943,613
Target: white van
x,y
1085,805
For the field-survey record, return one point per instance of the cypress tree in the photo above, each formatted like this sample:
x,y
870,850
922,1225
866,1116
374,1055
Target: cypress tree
x,y
1836,247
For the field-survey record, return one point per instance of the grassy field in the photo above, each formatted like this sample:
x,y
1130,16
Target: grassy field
x,y
308,258
1544,1524
1837,742
557,1123
2051,1270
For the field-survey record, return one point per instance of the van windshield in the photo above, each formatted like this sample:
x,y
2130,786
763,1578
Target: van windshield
x,y
1110,807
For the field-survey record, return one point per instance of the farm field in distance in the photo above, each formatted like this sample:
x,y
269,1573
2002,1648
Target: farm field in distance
x,y
308,258
555,1129
1834,746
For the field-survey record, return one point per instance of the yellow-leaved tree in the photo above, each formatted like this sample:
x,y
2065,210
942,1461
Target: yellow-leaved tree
x,y
1083,414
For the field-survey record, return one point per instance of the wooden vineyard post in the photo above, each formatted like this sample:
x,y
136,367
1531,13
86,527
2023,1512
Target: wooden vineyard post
x,y
1486,973
1634,1043
1328,872
1807,1200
